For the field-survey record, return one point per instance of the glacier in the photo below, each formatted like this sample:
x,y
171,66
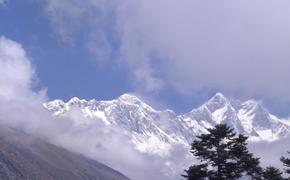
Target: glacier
x,y
156,132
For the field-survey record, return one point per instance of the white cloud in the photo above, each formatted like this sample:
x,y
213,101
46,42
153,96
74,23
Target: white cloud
x,y
111,146
69,17
235,46
21,107
231,45
16,72
270,153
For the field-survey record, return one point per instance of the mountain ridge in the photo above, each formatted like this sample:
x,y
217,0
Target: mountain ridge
x,y
154,131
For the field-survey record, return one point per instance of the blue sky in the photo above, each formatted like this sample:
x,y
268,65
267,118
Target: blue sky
x,y
173,57
67,70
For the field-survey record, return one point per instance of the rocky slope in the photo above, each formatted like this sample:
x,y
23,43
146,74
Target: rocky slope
x,y
24,157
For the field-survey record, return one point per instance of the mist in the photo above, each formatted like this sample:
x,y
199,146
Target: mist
x,y
22,108
271,152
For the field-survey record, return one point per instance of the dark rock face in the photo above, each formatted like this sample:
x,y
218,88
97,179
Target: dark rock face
x,y
23,157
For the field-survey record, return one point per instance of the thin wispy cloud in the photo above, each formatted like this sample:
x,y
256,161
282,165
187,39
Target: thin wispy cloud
x,y
2,1
191,46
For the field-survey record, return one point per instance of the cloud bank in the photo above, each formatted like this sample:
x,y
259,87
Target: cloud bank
x,y
191,46
21,107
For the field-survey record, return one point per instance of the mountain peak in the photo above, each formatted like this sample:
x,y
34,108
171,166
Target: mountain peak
x,y
55,104
219,95
129,98
76,101
218,98
134,115
217,101
73,100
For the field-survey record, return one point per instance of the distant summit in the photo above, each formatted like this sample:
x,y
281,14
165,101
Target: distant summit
x,y
155,131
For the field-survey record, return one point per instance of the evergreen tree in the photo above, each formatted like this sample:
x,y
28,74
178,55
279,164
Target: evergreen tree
x,y
196,172
286,163
272,173
223,155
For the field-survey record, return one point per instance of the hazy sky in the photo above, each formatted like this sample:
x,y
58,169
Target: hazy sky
x,y
174,54
171,53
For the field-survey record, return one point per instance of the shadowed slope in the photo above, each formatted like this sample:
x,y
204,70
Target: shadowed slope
x,y
25,157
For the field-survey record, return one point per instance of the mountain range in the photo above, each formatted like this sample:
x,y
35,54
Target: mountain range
x,y
154,131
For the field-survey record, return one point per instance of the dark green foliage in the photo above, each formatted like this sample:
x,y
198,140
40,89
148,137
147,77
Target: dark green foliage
x,y
196,172
286,163
223,155
272,173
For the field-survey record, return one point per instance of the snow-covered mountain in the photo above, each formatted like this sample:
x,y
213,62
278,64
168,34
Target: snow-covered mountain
x,y
155,131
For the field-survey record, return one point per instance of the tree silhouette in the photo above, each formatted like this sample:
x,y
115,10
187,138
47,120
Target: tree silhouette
x,y
272,173
223,155
286,163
